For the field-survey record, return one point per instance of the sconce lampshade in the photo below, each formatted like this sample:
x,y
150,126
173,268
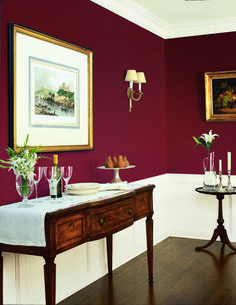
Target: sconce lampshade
x,y
131,75
141,77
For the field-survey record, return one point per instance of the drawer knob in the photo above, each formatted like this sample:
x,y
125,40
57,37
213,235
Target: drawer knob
x,y
130,211
143,199
102,221
72,224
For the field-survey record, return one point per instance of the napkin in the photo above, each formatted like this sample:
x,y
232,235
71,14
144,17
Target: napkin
x,y
114,186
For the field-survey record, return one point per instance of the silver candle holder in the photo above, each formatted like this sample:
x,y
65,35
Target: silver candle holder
x,y
221,188
229,187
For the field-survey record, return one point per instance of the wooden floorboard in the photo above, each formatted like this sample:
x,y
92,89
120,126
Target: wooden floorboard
x,y
182,276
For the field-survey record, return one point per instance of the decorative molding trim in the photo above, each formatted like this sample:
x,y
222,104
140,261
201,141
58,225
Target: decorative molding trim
x,y
202,28
136,14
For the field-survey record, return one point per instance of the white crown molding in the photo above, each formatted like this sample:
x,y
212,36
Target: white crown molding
x,y
202,28
136,14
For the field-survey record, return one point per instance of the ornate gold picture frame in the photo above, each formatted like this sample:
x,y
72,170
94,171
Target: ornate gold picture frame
x,y
220,91
51,91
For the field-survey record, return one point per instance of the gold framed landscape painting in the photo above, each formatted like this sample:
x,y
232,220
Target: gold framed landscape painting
x,y
220,91
51,92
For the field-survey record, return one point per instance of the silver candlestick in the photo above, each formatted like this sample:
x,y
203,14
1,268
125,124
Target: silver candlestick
x,y
229,187
221,189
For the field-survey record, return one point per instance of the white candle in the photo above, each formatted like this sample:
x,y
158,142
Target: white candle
x,y
229,160
220,165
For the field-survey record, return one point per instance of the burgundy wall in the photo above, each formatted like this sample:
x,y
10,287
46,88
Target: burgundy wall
x,y
186,61
118,45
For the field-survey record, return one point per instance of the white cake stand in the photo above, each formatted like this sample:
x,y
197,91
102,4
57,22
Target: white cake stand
x,y
116,178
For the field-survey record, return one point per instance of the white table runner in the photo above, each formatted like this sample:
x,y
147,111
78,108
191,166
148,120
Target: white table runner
x,y
25,226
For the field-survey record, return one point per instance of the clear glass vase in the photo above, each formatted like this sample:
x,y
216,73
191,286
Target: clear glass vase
x,y
210,181
24,187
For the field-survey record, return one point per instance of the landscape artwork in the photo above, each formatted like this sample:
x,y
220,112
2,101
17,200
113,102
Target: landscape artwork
x,y
54,94
50,92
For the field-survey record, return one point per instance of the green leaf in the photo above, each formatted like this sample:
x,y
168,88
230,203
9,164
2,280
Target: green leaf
x,y
6,162
3,166
197,140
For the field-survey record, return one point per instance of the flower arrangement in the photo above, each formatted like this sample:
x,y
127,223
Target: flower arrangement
x,y
206,140
23,162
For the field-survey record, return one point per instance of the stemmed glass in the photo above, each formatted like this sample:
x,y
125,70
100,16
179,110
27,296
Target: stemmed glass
x,y
24,187
38,172
66,173
50,173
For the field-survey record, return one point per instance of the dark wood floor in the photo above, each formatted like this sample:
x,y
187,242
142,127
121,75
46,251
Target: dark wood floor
x,y
181,277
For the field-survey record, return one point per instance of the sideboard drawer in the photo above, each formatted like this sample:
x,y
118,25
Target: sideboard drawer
x,y
69,230
111,218
141,205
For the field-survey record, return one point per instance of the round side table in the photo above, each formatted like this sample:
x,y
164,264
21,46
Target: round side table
x,y
220,230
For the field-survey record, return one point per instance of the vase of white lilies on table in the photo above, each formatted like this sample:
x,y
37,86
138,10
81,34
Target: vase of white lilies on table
x,y
210,181
22,163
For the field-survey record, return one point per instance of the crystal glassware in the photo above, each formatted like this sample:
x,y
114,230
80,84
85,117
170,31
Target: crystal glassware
x,y
66,173
24,187
38,172
52,177
210,182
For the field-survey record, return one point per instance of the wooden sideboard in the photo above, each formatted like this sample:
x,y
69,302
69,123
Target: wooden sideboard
x,y
68,228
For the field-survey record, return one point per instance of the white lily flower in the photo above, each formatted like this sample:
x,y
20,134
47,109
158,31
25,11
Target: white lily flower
x,y
23,166
22,163
208,138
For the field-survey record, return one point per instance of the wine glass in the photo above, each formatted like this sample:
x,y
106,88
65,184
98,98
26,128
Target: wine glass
x,y
50,173
38,172
24,187
66,173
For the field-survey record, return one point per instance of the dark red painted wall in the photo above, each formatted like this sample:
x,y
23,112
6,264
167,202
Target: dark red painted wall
x,y
118,45
186,61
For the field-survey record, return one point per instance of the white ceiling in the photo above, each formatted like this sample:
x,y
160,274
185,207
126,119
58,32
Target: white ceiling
x,y
181,11
177,18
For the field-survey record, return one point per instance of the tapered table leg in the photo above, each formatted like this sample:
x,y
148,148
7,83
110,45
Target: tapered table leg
x,y
109,254
1,279
50,280
149,233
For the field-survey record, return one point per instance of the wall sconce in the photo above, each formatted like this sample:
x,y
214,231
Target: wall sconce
x,y
134,77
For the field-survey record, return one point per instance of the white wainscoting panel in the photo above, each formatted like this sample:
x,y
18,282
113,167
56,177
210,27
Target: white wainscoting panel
x,y
178,211
194,215
9,278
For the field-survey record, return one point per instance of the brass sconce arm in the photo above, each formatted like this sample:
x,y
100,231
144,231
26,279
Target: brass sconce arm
x,y
130,94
